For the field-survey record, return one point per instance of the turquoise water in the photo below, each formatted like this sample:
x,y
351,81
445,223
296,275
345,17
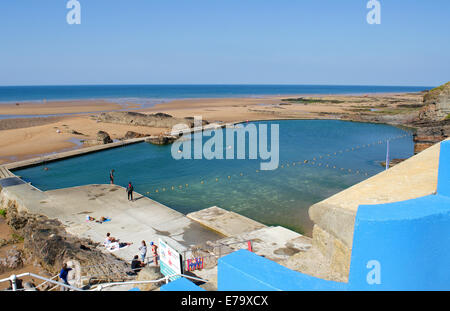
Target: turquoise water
x,y
278,197
38,93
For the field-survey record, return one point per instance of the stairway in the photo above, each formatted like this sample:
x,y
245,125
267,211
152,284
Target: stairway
x,y
5,173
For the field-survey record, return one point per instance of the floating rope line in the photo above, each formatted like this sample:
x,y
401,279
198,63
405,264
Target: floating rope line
x,y
310,162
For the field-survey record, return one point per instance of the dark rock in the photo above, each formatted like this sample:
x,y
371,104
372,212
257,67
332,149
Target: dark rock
x,y
392,162
161,139
12,261
104,137
76,133
131,135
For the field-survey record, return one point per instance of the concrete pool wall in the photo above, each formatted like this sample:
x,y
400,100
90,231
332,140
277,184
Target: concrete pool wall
x,y
334,218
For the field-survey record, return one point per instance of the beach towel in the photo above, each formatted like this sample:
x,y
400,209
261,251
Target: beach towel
x,y
115,246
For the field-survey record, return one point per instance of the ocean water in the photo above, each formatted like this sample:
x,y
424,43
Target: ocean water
x,y
138,92
278,197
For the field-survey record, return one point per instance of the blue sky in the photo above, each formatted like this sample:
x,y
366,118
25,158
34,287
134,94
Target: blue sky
x,y
225,42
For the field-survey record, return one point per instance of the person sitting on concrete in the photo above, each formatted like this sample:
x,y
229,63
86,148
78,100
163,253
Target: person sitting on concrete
x,y
136,264
109,239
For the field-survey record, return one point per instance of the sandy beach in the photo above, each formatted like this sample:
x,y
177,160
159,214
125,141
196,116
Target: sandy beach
x,y
58,107
25,138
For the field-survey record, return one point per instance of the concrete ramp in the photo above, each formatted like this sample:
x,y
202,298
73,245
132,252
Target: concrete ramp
x,y
225,222
246,271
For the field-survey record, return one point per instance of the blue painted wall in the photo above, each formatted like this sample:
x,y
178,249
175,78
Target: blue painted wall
x,y
396,246
243,271
409,240
181,285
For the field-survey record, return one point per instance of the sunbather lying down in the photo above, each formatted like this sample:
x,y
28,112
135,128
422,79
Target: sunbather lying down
x,y
101,220
115,246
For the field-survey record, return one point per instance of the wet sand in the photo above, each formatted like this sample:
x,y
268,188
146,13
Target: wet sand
x,y
58,107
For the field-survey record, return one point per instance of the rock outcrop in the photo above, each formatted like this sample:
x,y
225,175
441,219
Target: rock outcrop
x,y
437,104
159,120
13,260
103,137
131,135
433,122
149,273
161,139
47,242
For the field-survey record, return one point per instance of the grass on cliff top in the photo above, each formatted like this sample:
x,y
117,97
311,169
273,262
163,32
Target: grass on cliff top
x,y
441,87
433,93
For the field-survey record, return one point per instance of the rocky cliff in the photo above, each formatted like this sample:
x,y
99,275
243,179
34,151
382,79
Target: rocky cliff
x,y
433,122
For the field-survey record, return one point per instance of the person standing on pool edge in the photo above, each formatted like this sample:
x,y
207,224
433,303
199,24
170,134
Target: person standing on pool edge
x,y
130,191
111,177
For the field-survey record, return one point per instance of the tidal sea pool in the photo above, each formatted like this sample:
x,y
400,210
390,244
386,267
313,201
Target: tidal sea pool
x,y
339,154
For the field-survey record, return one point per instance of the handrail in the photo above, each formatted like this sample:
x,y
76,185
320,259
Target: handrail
x,y
13,279
52,278
166,279
99,287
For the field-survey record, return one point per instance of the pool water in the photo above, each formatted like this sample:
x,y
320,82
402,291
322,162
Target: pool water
x,y
277,197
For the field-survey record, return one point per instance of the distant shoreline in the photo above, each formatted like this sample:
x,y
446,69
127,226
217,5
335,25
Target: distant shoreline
x,y
136,93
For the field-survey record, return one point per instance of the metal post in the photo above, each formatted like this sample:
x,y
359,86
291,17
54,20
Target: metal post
x,y
387,155
13,280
